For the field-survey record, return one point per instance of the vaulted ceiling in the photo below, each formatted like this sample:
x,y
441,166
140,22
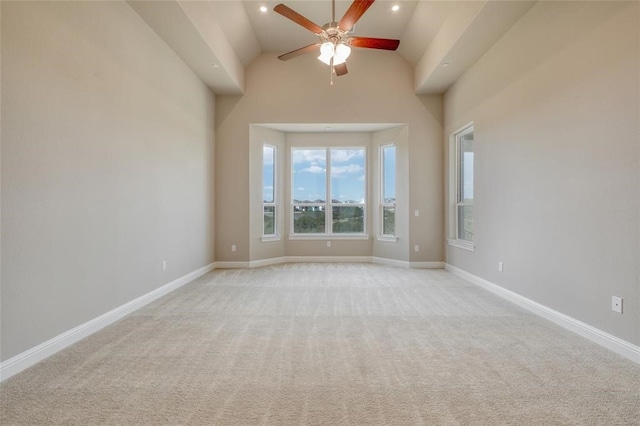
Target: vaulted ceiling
x,y
219,38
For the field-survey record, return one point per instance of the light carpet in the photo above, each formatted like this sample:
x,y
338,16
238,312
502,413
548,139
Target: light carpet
x,y
328,344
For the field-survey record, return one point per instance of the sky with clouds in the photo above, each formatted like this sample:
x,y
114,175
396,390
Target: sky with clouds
x,y
348,173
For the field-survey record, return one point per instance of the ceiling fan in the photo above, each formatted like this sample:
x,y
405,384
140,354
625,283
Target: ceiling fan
x,y
335,41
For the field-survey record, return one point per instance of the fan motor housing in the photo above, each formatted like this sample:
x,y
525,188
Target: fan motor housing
x,y
332,32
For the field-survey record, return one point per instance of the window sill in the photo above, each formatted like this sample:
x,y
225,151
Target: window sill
x,y
270,238
465,245
387,238
328,237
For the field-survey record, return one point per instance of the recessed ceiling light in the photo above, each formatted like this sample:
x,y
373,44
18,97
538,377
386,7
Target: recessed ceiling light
x,y
395,7
216,66
446,64
263,9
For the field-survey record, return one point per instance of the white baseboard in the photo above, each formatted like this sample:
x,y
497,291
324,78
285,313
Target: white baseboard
x,y
267,262
427,265
44,350
405,264
292,259
304,259
232,265
613,343
390,262
327,259
252,264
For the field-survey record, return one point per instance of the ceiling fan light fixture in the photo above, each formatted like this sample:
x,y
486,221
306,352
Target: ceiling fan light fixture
x,y
342,52
325,58
339,53
327,49
335,39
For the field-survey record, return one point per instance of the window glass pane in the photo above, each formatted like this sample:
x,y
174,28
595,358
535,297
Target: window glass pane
x,y
347,175
348,219
309,175
388,220
465,167
389,174
465,222
269,220
308,219
268,173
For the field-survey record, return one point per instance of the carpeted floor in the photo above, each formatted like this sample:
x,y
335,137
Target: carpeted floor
x,y
328,344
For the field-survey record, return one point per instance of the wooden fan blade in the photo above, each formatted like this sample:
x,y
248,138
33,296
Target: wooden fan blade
x,y
355,11
298,52
341,69
374,43
289,13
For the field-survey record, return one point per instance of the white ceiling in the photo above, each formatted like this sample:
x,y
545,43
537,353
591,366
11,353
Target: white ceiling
x,y
276,33
219,38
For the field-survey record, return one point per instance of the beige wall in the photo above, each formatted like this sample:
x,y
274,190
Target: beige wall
x,y
556,113
107,166
378,89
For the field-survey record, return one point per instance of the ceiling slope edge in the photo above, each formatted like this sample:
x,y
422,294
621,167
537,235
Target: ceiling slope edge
x,y
195,36
463,38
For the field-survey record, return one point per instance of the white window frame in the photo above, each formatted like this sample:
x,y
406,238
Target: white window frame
x,y
274,203
327,206
454,189
383,204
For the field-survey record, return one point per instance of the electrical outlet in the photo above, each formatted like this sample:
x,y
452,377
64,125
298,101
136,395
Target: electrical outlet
x,y
164,265
416,213
233,247
616,304
328,243
500,267
416,248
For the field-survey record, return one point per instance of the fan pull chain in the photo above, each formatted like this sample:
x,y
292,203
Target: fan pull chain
x,y
331,72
